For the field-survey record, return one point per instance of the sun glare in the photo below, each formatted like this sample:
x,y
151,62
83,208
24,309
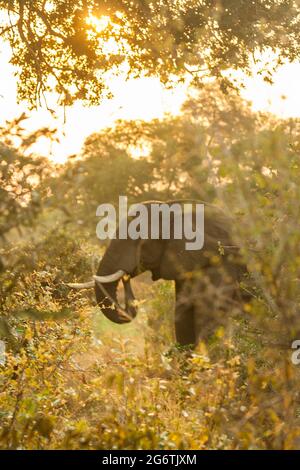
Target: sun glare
x,y
98,24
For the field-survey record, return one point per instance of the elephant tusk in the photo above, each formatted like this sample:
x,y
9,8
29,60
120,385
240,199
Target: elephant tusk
x,y
110,278
84,285
99,279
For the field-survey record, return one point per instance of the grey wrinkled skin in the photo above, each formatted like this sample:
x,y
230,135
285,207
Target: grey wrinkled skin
x,y
206,281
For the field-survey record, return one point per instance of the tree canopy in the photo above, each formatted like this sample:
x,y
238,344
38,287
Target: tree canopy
x,y
73,46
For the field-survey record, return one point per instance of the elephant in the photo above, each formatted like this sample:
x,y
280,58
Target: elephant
x,y
207,281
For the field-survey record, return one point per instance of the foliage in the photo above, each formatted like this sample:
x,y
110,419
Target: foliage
x,y
73,47
21,174
32,286
67,389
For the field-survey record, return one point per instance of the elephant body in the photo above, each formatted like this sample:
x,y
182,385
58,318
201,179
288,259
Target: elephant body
x,y
206,280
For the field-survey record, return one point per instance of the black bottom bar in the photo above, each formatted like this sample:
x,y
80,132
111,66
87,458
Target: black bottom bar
x,y
152,458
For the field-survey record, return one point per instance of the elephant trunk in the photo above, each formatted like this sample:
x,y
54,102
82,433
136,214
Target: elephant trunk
x,y
118,263
106,296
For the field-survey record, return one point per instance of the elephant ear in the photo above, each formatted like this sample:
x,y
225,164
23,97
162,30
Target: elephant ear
x,y
176,260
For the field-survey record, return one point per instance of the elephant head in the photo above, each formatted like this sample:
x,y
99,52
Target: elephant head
x,y
120,262
123,260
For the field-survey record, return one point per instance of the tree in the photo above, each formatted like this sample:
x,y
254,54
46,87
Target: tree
x,y
179,156
73,46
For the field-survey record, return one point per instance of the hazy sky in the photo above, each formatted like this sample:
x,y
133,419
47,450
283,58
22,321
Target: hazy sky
x,y
136,99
